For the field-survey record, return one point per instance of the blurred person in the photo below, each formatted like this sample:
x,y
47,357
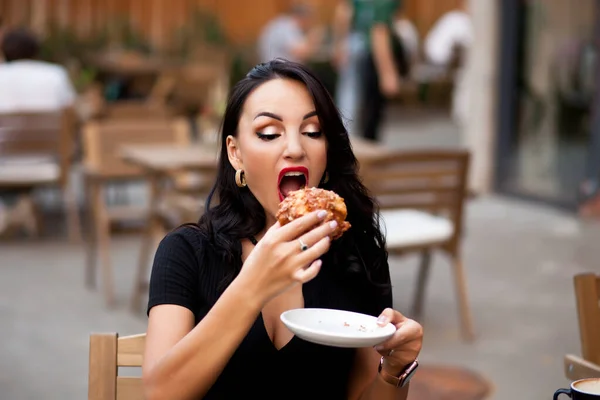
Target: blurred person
x,y
349,53
372,61
291,36
29,84
218,287
447,44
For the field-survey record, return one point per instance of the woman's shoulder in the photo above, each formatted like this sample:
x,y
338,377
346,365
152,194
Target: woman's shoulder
x,y
180,270
188,233
195,245
186,243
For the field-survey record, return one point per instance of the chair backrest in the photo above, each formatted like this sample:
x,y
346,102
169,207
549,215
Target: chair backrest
x,y
587,294
104,139
195,83
45,134
108,352
431,180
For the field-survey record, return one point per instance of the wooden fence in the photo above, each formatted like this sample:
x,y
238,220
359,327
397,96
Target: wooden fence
x,y
157,19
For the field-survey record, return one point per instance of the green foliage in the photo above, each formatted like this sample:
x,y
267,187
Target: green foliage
x,y
201,27
65,46
61,45
121,33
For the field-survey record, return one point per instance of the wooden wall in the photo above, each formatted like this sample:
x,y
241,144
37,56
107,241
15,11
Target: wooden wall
x,y
242,19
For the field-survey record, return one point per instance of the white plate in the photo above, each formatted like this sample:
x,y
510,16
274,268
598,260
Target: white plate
x,y
336,328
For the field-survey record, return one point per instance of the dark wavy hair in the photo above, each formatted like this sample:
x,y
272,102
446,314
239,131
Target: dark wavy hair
x,y
19,44
233,213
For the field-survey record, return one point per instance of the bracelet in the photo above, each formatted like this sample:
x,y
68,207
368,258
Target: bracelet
x,y
402,379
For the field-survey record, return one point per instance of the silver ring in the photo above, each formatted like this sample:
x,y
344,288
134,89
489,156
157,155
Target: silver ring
x,y
303,246
390,352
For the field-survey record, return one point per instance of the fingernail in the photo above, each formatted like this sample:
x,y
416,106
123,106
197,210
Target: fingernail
x,y
332,224
318,263
379,348
322,214
382,320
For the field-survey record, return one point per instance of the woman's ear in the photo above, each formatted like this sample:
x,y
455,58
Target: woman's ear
x,y
233,153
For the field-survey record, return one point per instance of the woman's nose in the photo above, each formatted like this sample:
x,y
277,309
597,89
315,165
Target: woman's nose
x,y
294,148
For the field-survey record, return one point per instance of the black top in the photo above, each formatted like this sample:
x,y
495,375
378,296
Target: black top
x,y
187,272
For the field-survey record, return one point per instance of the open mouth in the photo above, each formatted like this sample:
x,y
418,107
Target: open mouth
x,y
290,179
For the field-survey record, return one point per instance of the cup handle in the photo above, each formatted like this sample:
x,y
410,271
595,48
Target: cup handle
x,y
562,391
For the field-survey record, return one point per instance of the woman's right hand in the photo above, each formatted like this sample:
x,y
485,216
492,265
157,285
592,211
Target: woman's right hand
x,y
278,261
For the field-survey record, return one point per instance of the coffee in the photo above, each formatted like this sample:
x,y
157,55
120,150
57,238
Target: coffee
x,y
584,389
588,386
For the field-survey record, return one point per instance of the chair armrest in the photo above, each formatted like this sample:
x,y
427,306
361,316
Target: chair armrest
x,y
577,368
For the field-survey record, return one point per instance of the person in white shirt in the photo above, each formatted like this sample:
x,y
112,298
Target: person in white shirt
x,y
28,84
453,34
288,36
452,29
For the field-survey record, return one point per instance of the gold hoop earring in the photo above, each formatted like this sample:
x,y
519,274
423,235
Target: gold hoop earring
x,y
325,178
240,178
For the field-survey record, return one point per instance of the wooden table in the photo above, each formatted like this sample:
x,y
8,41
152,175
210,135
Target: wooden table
x,y
162,160
131,63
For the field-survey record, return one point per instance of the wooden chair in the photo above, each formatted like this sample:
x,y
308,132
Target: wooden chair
x,y
587,294
174,209
422,196
37,150
108,352
103,165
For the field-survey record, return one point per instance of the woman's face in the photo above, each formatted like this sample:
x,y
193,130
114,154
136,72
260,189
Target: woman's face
x,y
279,144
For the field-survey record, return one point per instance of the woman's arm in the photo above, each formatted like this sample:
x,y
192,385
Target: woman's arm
x,y
383,57
183,363
342,18
366,383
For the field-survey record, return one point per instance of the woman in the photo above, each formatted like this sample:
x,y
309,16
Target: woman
x,y
218,288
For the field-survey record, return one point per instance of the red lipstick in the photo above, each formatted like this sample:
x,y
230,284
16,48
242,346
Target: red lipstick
x,y
298,169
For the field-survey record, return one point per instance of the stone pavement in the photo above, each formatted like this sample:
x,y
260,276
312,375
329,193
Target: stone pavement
x,y
520,259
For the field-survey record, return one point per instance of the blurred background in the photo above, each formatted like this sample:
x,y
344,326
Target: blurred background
x,y
109,113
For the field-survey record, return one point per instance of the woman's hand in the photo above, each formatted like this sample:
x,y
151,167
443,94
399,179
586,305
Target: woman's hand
x,y
404,346
278,260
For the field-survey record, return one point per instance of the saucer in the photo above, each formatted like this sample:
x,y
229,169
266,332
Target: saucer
x,y
336,328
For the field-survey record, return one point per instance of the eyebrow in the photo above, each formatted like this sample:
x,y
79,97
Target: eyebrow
x,y
278,118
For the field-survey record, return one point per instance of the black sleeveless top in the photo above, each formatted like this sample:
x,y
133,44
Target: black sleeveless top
x,y
188,272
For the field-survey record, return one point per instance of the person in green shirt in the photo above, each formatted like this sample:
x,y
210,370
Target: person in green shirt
x,y
370,59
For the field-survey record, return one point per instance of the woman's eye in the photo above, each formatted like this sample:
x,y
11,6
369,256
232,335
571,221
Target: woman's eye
x,y
315,134
267,137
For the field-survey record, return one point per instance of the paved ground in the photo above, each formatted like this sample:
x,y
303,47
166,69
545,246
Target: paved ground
x,y
520,259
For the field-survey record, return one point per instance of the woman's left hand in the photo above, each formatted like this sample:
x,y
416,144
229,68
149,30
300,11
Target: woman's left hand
x,y
404,346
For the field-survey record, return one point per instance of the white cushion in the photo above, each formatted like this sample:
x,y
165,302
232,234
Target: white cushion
x,y
404,228
29,172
